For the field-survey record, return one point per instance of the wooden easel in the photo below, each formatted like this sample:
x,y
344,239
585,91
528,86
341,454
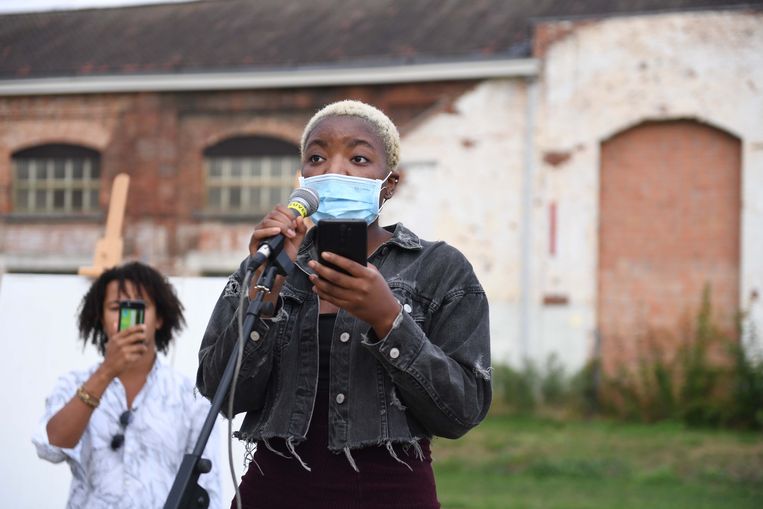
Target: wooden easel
x,y
108,249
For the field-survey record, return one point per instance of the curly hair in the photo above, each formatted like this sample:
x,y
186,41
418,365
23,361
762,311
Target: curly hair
x,y
148,282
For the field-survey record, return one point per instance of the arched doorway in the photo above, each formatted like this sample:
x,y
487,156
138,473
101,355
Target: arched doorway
x,y
669,225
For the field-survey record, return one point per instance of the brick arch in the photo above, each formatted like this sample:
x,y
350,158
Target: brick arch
x,y
252,146
86,134
621,127
669,223
265,128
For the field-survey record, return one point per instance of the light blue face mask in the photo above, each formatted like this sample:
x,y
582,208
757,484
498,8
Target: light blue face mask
x,y
345,197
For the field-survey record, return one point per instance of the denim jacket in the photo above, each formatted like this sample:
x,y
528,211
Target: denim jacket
x,y
429,376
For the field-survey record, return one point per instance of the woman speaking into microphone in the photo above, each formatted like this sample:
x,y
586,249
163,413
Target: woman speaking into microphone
x,y
359,365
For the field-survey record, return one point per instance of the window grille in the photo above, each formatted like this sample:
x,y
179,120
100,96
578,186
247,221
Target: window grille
x,y
58,179
249,176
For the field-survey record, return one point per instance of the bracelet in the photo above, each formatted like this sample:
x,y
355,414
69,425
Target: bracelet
x,y
87,398
398,318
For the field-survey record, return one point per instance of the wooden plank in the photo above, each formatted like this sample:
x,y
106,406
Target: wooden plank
x,y
108,249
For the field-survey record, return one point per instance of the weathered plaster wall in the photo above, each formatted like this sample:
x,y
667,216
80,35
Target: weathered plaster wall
x,y
462,171
465,164
605,76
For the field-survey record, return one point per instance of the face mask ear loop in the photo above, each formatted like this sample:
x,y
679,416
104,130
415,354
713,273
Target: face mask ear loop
x,y
385,179
384,197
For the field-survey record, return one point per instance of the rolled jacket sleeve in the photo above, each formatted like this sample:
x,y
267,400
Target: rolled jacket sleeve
x,y
442,375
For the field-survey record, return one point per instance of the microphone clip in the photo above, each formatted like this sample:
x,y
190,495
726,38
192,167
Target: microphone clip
x,y
271,251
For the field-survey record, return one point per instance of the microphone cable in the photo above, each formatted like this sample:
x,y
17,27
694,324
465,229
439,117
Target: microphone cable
x,y
237,370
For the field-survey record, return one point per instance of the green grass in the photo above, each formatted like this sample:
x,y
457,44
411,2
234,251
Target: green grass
x,y
511,462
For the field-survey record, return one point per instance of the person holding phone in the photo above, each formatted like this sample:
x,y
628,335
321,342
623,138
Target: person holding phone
x,y
348,380
124,424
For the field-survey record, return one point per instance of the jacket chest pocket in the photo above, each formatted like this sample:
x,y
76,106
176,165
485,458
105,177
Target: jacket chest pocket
x,y
289,321
414,304
292,317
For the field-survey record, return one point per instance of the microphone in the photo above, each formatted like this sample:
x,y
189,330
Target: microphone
x,y
302,202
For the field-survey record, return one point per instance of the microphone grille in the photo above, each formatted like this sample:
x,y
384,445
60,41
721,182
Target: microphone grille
x,y
307,198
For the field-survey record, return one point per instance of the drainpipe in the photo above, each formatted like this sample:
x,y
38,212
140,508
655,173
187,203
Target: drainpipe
x,y
526,233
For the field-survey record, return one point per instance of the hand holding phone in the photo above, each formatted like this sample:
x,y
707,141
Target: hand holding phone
x,y
131,312
367,296
344,237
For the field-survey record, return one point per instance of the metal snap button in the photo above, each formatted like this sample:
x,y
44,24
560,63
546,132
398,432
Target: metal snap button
x,y
394,353
340,398
344,337
407,307
254,336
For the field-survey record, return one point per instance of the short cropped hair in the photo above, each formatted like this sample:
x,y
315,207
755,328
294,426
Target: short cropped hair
x,y
148,282
380,122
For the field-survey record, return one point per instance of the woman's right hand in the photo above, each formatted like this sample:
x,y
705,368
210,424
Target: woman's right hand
x,y
280,220
123,349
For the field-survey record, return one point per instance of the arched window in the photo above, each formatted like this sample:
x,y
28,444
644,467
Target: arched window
x,y
56,178
249,175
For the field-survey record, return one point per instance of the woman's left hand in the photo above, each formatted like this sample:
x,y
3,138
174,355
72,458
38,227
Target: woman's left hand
x,y
363,293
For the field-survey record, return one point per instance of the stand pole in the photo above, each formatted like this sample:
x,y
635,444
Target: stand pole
x,y
186,492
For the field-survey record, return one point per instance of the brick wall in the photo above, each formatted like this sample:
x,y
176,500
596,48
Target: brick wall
x,y
158,139
669,225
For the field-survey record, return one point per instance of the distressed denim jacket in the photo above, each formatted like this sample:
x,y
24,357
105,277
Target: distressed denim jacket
x,y
429,376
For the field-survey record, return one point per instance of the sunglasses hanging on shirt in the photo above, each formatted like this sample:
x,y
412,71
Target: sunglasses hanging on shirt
x,y
119,439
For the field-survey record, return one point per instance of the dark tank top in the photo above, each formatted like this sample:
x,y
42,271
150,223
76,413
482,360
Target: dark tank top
x,y
332,483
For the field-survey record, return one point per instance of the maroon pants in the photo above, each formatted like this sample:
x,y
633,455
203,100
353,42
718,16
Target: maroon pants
x,y
332,483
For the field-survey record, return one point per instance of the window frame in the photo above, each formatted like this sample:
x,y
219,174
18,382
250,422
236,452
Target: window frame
x,y
66,177
253,166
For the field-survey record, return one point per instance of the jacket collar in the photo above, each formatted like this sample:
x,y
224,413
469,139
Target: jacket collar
x,y
403,237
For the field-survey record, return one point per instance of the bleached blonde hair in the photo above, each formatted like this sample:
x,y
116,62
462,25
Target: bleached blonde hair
x,y
374,116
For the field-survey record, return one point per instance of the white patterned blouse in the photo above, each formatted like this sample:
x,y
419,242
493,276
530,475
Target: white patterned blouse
x,y
138,469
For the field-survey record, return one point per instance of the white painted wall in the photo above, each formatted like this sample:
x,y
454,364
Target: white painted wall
x,y
39,337
463,183
462,173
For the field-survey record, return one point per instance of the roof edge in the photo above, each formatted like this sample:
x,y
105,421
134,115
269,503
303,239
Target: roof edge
x,y
448,71
696,9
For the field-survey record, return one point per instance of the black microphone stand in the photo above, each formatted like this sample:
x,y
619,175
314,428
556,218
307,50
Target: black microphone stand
x,y
186,492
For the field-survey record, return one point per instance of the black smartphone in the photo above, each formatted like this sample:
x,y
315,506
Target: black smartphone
x,y
131,312
345,237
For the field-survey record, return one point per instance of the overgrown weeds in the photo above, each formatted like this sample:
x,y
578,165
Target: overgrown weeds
x,y
707,378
